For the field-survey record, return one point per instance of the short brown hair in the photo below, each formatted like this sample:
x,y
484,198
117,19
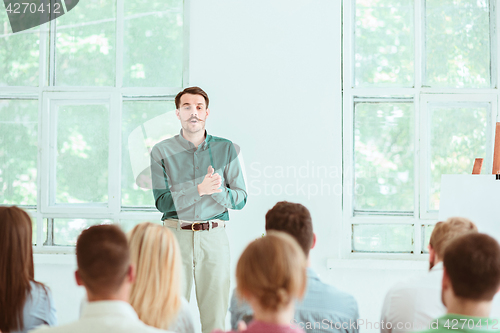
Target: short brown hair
x,y
192,91
103,258
472,263
272,269
447,231
295,220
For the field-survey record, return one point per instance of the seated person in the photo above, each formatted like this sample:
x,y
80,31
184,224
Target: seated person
x,y
24,302
471,277
156,292
322,302
104,269
270,275
411,305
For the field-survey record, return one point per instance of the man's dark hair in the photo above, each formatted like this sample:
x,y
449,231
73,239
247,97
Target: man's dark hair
x,y
295,220
103,258
472,262
192,91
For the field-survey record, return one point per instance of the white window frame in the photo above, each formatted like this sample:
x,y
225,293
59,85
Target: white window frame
x,y
52,101
49,95
420,95
450,99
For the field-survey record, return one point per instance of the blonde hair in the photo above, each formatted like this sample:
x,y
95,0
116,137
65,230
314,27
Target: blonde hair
x,y
447,231
272,269
156,293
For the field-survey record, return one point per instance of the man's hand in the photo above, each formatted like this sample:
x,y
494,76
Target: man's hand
x,y
210,184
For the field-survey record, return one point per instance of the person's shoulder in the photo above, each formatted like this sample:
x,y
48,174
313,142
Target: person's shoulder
x,y
329,291
327,300
222,144
172,141
55,329
415,286
399,291
38,287
167,148
40,293
406,298
219,139
135,325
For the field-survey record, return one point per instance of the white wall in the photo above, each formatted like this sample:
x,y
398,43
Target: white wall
x,y
273,72
272,69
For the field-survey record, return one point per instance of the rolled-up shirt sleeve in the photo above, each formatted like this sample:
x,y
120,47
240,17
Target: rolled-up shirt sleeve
x,y
234,193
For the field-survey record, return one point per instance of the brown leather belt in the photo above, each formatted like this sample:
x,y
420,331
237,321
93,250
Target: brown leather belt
x,y
197,226
194,226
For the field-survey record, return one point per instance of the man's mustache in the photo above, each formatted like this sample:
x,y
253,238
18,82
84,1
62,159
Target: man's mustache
x,y
195,118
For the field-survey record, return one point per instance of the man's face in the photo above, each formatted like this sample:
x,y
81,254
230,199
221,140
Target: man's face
x,y
192,113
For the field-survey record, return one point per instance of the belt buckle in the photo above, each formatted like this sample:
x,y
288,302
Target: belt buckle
x,y
192,225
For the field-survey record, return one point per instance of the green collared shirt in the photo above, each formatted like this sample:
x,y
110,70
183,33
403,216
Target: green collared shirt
x,y
451,323
178,167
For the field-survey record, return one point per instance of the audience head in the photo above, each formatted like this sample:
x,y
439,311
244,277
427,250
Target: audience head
x,y
156,292
471,269
295,220
444,233
271,272
16,266
103,259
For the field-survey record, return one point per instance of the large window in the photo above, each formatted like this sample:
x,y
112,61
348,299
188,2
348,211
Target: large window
x,y
82,100
420,92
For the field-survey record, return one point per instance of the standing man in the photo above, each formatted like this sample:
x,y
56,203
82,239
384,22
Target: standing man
x,y
196,178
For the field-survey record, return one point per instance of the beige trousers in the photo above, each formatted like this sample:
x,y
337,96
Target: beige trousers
x,y
205,257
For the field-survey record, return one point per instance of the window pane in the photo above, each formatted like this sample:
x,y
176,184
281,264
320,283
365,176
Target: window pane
x,y
457,138
18,152
426,236
82,153
32,214
19,54
144,125
457,42
384,43
34,230
66,231
153,43
128,225
382,238
85,45
383,157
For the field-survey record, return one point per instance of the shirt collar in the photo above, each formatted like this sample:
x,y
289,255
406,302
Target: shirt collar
x,y
189,145
106,308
